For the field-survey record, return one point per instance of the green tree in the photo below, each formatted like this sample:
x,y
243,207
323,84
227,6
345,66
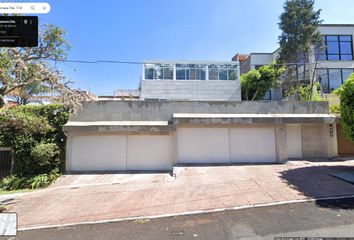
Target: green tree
x,y
27,71
346,94
21,68
298,41
256,83
298,24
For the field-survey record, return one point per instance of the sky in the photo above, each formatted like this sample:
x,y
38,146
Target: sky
x,y
138,30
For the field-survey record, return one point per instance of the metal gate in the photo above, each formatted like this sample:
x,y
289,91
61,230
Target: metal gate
x,y
345,146
5,162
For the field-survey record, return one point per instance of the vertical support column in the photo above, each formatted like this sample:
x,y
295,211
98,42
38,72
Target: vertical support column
x,y
331,136
174,72
68,153
311,64
281,144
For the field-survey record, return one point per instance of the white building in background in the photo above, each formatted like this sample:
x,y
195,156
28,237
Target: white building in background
x,y
191,81
333,65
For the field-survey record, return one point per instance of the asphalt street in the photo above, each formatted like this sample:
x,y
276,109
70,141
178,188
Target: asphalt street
x,y
331,218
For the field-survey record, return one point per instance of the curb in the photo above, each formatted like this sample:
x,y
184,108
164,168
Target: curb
x,y
199,212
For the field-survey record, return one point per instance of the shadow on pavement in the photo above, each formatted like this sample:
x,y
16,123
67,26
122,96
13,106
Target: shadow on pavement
x,y
317,182
343,203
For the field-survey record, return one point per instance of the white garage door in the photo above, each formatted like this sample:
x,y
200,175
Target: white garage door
x,y
98,153
252,145
202,145
120,153
149,153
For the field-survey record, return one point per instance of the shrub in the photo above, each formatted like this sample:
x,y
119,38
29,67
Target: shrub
x,y
334,109
15,182
36,137
47,155
305,92
346,94
255,83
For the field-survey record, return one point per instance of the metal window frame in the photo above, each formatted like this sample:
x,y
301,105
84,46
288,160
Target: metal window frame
x,y
232,65
339,47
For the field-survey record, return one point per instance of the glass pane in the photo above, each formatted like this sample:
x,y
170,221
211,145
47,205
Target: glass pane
x,y
168,73
321,57
180,74
323,79
333,57
202,73
233,73
213,72
193,74
332,38
158,72
345,38
346,73
267,95
346,48
332,47
149,73
346,57
335,79
223,74
196,72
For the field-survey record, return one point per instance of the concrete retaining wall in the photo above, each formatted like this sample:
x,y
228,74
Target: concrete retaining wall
x,y
151,110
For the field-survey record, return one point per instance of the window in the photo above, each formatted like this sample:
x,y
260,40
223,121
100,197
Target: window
x,y
158,71
323,79
346,74
338,47
268,95
334,78
222,72
213,72
331,79
190,71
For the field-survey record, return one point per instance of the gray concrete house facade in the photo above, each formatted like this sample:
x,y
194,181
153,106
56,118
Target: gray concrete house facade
x,y
156,135
333,64
190,81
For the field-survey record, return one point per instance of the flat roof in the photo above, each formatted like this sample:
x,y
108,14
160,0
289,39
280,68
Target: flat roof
x,y
336,25
190,62
116,123
282,118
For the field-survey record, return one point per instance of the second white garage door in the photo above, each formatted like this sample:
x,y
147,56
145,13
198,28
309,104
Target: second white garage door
x,y
226,145
252,145
202,145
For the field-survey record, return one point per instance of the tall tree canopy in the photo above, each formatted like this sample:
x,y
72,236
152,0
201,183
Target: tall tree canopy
x,y
298,24
32,70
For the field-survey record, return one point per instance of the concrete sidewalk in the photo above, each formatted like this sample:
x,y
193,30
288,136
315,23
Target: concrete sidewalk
x,y
83,198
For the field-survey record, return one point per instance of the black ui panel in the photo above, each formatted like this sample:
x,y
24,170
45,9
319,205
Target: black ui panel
x,y
18,31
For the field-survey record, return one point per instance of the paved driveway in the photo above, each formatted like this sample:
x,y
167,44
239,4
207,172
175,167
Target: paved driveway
x,y
83,198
